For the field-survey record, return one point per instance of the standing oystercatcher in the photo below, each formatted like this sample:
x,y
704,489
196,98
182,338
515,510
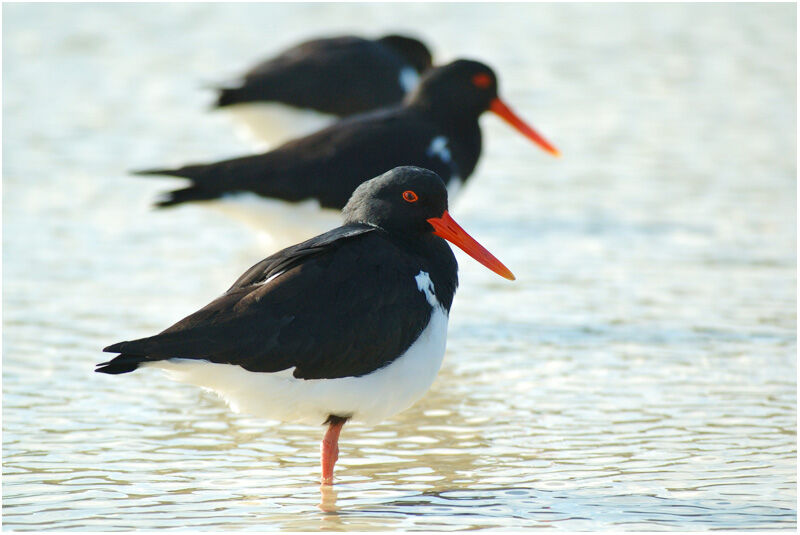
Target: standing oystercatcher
x,y
351,324
436,128
316,82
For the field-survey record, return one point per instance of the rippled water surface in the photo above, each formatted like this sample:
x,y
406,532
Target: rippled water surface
x,y
639,375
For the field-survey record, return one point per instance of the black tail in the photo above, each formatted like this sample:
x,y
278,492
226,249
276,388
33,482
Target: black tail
x,y
229,96
180,196
188,194
121,364
189,171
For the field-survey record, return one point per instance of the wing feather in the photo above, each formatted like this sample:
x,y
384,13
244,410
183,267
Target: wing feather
x,y
332,312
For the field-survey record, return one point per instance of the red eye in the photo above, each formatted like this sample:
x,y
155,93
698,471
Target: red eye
x,y
482,80
410,196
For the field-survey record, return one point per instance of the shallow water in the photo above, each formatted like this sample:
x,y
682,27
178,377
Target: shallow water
x,y
639,375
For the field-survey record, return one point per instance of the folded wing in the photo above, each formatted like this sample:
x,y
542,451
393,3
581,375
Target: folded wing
x,y
317,307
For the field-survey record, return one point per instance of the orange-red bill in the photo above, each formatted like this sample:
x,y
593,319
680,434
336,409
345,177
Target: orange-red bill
x,y
499,107
447,228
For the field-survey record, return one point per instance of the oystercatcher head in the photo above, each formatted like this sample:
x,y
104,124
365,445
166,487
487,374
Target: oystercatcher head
x,y
351,324
412,50
436,128
462,90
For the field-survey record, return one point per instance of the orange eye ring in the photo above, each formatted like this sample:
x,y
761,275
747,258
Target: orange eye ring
x,y
482,80
410,196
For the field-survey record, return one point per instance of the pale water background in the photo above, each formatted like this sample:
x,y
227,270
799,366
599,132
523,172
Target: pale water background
x,y
639,375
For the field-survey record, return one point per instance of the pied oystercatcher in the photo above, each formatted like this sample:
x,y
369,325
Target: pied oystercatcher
x,y
316,82
349,324
436,128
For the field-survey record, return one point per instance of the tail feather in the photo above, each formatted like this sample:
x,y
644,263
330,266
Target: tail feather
x,y
229,96
120,364
189,171
195,192
189,194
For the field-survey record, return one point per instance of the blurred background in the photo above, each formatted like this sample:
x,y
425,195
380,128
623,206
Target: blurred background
x,y
640,374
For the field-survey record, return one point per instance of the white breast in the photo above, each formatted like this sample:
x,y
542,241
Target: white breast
x,y
454,186
283,223
369,398
268,124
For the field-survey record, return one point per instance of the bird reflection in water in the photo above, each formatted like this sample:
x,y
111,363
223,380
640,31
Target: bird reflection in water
x,y
327,503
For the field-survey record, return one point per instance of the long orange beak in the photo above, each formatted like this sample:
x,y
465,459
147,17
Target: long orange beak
x,y
499,107
446,227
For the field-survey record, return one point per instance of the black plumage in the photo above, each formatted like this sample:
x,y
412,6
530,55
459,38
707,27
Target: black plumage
x,y
340,76
358,315
436,128
338,305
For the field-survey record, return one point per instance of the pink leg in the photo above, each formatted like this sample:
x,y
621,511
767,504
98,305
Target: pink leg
x,y
330,451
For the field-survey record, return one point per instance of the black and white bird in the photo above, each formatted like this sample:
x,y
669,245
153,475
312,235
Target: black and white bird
x,y
436,128
351,324
310,85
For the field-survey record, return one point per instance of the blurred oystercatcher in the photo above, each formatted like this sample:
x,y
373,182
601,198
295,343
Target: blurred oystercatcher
x,y
351,324
316,82
436,128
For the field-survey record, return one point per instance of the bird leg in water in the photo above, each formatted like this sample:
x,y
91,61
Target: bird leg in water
x,y
330,447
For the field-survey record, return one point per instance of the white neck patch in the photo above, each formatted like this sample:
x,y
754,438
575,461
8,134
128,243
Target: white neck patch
x,y
409,78
425,285
438,147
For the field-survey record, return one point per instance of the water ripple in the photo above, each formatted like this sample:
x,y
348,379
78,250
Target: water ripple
x,y
639,375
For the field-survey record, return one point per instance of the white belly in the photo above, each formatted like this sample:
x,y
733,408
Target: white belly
x,y
272,123
280,396
282,223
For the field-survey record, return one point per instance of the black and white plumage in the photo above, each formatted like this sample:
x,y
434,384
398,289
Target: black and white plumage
x,y
436,128
316,82
288,323
349,324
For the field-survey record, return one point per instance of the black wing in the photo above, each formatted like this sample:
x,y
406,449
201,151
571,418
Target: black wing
x,y
332,311
341,76
327,165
